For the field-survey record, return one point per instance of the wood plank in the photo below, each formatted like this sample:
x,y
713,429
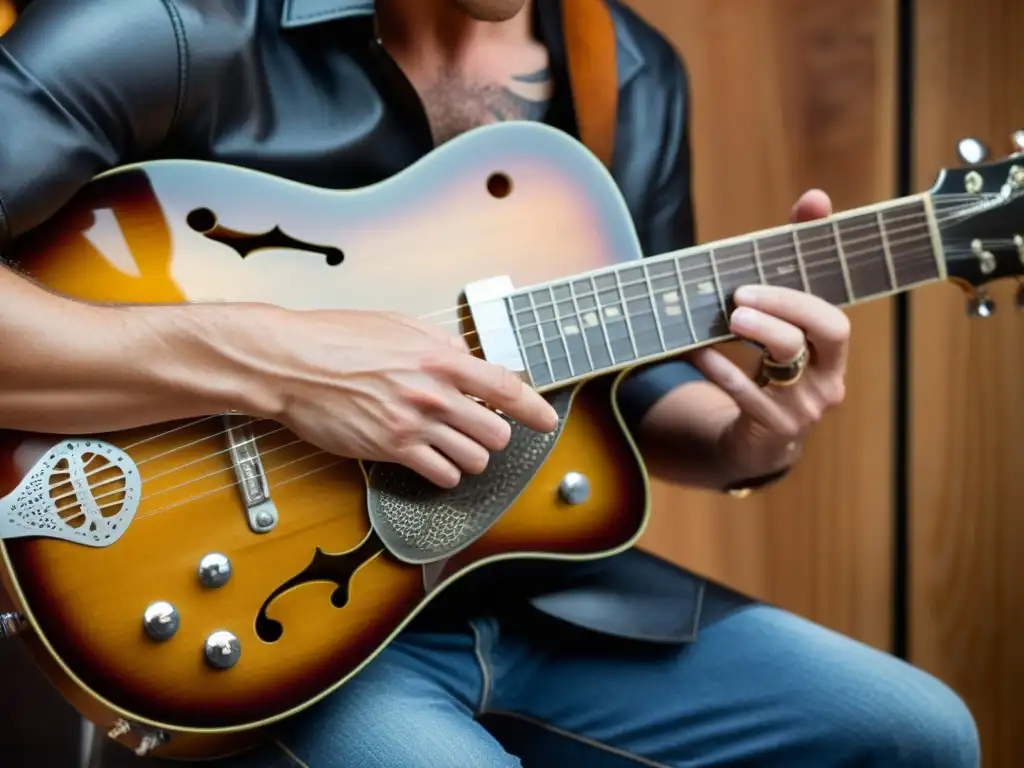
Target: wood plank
x,y
967,465
788,95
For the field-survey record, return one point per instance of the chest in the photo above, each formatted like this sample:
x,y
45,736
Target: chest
x,y
498,85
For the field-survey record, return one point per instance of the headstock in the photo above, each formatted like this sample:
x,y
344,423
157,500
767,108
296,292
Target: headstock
x,y
979,210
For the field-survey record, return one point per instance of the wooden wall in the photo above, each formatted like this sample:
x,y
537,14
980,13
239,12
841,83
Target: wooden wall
x,y
967,396
789,95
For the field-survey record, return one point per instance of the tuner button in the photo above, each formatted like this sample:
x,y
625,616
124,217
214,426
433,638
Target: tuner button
x,y
972,151
981,305
1017,140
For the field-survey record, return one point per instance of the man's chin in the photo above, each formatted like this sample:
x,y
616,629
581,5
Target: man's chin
x,y
491,10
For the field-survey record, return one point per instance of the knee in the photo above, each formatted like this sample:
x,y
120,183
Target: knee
x,y
900,716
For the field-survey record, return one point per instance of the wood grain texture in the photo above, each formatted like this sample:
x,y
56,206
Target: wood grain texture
x,y
789,95
967,462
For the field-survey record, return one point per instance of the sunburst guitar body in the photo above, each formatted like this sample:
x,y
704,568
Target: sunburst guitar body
x,y
167,520
187,585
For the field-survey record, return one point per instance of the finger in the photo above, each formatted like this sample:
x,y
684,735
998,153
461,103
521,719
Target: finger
x,y
750,398
826,327
467,454
502,389
427,462
813,204
477,422
784,341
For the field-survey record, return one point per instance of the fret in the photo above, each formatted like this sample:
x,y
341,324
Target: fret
x,y
584,293
626,313
824,269
778,256
702,296
545,328
718,281
908,233
669,301
686,300
654,308
757,260
861,243
613,317
641,311
570,326
885,250
800,262
528,332
582,333
736,265
842,263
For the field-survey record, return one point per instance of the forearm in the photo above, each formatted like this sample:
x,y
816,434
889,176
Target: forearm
x,y
75,368
682,440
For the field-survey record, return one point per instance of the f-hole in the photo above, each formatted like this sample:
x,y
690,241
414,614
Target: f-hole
x,y
204,221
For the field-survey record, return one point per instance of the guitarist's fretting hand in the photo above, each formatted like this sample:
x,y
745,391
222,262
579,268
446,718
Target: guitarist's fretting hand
x,y
767,424
358,384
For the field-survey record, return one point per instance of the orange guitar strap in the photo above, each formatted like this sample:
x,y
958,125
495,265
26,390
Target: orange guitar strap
x,y
593,73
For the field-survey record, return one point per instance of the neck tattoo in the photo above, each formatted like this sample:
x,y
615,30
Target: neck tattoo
x,y
455,105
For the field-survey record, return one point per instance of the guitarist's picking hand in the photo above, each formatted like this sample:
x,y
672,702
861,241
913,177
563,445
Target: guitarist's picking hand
x,y
384,387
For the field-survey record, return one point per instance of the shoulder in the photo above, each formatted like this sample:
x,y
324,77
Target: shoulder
x,y
648,61
654,90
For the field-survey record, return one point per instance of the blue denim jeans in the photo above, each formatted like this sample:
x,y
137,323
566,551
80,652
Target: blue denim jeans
x,y
759,687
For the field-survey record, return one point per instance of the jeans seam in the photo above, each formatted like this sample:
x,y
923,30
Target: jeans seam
x,y
638,759
482,651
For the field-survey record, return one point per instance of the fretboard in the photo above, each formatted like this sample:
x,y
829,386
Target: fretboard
x,y
641,311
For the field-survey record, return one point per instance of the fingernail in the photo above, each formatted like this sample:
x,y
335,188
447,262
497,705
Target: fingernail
x,y
746,294
745,318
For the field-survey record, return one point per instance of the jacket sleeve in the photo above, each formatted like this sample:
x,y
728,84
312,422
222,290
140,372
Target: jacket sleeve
x,y
84,86
667,225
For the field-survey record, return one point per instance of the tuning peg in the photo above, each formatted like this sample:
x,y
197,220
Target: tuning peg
x,y
972,151
1017,140
981,305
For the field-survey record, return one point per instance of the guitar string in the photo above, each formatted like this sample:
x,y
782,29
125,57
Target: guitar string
x,y
971,201
683,285
851,255
527,327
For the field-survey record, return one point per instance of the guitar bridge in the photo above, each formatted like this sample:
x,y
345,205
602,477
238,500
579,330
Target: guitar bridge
x,y
252,480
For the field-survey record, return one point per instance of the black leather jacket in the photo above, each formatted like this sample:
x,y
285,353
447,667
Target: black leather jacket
x,y
303,89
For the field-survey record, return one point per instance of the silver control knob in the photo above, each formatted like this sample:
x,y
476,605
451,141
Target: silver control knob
x,y
214,570
161,621
1017,142
972,151
981,305
222,650
574,488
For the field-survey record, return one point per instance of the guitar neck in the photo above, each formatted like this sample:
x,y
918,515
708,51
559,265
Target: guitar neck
x,y
642,311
